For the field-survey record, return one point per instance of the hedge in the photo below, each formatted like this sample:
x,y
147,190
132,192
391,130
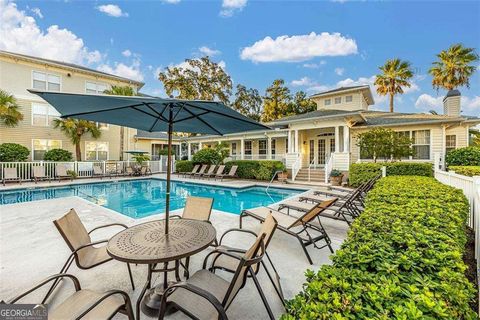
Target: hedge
x,y
466,170
256,169
468,156
362,172
183,165
402,259
13,152
58,155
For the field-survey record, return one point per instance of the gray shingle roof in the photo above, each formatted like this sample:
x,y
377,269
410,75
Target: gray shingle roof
x,y
378,118
316,114
339,89
153,135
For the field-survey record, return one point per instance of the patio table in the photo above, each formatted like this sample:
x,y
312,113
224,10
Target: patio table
x,y
147,243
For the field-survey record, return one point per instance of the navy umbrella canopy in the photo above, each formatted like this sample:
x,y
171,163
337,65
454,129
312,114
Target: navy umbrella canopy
x,y
153,114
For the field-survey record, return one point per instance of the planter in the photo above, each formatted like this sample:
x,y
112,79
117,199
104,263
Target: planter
x,y
336,181
282,177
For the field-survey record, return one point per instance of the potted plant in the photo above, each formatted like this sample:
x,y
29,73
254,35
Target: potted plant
x,y
283,176
336,177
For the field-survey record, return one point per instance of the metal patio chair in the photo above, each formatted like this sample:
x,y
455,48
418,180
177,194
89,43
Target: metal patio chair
x,y
61,172
39,174
194,170
10,174
201,171
209,172
98,172
231,174
216,173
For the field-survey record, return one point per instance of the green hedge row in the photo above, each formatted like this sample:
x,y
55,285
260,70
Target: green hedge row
x,y
183,166
402,259
466,170
468,156
362,172
256,169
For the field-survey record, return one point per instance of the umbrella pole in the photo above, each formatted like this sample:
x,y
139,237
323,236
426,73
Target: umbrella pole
x,y
169,168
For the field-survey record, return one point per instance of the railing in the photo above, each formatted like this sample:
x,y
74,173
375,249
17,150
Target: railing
x,y
296,166
82,169
328,166
312,163
273,177
279,157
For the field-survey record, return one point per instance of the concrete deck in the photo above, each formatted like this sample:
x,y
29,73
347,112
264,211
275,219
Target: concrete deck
x,y
31,249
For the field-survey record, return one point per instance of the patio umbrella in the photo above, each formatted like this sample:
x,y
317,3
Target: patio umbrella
x,y
135,152
153,114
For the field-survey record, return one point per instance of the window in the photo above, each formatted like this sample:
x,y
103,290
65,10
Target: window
x,y
332,145
233,150
327,102
273,146
43,114
248,149
40,146
93,87
96,150
262,149
421,144
404,134
338,100
46,81
450,142
348,98
102,126
311,149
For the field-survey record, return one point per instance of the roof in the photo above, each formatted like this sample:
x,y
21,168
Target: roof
x,y
316,114
340,89
69,65
364,88
153,135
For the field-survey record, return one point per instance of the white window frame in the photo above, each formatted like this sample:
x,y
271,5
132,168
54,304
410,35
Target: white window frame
x,y
233,149
102,128
46,79
349,97
249,142
262,152
96,86
33,147
329,102
47,114
339,98
273,147
96,151
450,148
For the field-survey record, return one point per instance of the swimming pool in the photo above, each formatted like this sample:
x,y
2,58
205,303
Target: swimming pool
x,y
142,198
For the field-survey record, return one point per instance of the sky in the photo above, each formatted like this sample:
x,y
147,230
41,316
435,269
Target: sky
x,y
312,45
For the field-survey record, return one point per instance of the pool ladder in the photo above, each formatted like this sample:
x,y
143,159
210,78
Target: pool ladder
x,y
273,178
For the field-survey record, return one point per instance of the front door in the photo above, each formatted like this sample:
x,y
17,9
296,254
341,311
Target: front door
x,y
321,151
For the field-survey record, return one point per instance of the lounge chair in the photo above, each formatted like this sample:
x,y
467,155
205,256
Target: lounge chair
x,y
85,253
145,170
301,227
201,171
61,172
39,174
231,174
214,174
110,169
84,303
10,174
119,170
129,171
194,170
98,172
209,172
206,295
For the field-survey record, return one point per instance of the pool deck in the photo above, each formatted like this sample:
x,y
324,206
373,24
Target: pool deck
x,y
31,249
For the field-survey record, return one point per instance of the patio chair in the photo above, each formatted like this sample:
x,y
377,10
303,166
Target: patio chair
x,y
98,172
201,171
213,174
84,303
206,295
301,228
194,170
129,171
119,170
209,172
85,253
231,174
145,170
61,172
39,174
110,169
10,174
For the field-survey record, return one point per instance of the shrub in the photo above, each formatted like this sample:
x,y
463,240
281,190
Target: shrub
x,y
469,156
58,155
256,169
362,172
184,166
163,152
469,171
13,152
402,259
207,156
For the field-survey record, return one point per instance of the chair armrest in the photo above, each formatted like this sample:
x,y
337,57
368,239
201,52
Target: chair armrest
x,y
108,225
175,216
235,230
47,280
87,245
198,291
220,251
107,294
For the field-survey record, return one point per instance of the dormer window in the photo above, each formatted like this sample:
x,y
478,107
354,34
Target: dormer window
x,y
338,100
328,102
348,98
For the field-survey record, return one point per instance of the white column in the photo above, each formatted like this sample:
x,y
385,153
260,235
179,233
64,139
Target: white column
x,y
189,150
199,146
296,141
269,147
346,139
337,139
242,148
289,141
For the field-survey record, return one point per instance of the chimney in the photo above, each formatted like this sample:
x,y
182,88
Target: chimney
x,y
451,103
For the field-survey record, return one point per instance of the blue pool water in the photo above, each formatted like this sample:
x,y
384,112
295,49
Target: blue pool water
x,y
141,198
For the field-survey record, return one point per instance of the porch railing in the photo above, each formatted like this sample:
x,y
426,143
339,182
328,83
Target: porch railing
x,y
328,166
82,169
279,157
296,166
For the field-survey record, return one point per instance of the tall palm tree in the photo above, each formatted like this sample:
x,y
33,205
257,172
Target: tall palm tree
x,y
74,129
454,67
9,114
394,77
121,91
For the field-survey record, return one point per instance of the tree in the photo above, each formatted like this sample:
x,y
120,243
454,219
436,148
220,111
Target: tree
x,y
121,91
9,114
474,137
454,67
197,79
13,152
394,77
301,104
75,129
276,101
384,143
248,102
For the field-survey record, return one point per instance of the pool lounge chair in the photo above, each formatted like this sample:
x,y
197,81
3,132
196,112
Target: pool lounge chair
x,y
201,171
216,173
10,174
98,172
61,172
206,295
304,228
194,170
231,174
145,171
85,253
39,174
84,303
209,172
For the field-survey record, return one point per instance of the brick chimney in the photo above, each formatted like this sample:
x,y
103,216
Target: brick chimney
x,y
451,103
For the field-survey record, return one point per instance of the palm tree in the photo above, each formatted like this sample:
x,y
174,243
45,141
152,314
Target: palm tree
x,y
454,67
394,77
74,129
9,114
121,91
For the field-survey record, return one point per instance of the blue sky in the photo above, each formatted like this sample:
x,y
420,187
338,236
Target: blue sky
x,y
312,45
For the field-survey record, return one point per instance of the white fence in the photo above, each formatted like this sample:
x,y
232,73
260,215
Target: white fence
x,y
83,169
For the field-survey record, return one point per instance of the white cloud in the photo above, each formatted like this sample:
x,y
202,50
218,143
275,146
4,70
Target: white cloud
x,y
305,81
229,7
20,33
471,104
171,1
209,52
112,10
299,48
340,71
126,53
186,66
122,70
314,65
37,12
426,102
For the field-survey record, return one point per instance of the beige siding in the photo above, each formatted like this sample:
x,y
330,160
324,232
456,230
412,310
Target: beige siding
x,y
357,103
